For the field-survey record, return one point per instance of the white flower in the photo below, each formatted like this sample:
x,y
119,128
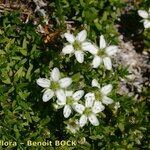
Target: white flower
x,y
73,125
146,17
76,45
68,99
102,54
101,94
117,105
89,111
54,84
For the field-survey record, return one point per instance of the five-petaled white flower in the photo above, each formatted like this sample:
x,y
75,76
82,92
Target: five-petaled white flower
x,y
54,84
101,53
75,45
146,17
68,99
101,94
89,111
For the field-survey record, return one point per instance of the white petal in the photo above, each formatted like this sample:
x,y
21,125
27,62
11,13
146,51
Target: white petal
x,y
78,94
48,94
111,50
55,74
68,49
81,36
67,111
117,105
82,120
79,56
97,107
106,100
43,82
61,96
96,61
146,23
143,14
79,108
95,83
93,119
87,46
69,37
65,82
89,99
107,63
106,89
102,42
61,103
68,93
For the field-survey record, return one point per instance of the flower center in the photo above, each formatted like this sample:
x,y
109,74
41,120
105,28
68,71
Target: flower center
x,y
87,111
101,53
98,95
77,45
69,100
55,85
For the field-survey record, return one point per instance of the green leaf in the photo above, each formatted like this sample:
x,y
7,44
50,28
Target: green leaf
x,y
9,44
96,137
121,126
20,73
16,132
24,44
82,3
104,18
28,117
4,39
1,32
90,14
21,94
2,52
28,75
16,58
76,77
7,80
23,51
97,24
35,118
11,89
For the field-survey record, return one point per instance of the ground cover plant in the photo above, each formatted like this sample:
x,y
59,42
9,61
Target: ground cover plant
x,y
61,77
